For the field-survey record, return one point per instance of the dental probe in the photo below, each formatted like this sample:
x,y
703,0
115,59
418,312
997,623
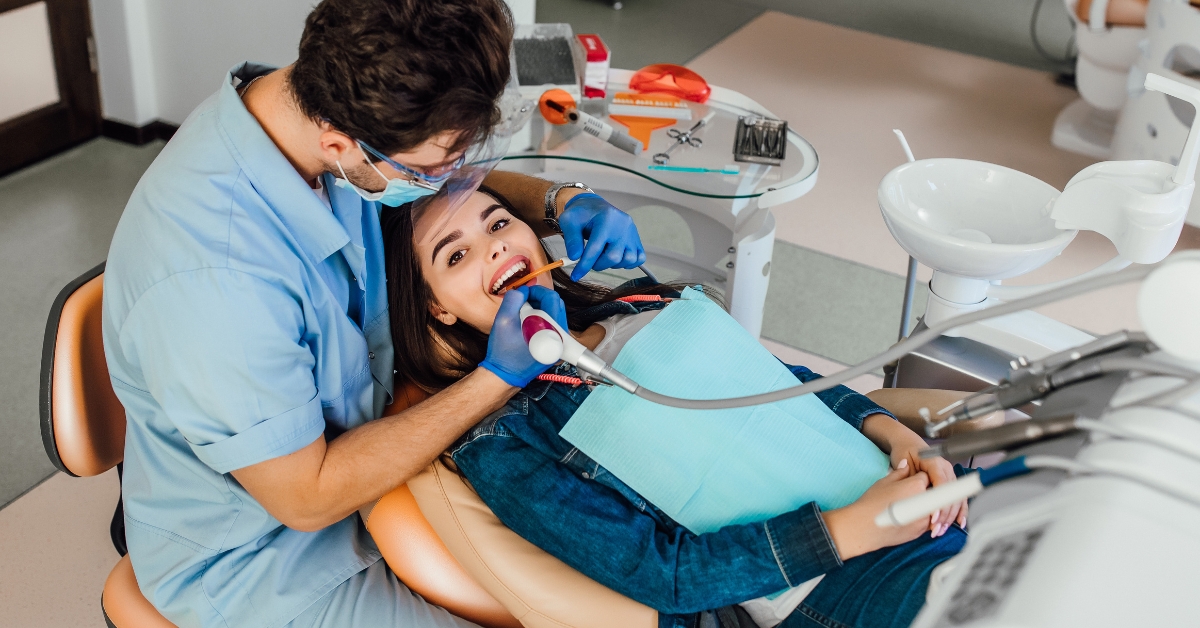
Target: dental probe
x,y
906,511
565,262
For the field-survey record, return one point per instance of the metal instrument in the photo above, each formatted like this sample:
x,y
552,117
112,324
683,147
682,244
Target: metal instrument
x,y
683,137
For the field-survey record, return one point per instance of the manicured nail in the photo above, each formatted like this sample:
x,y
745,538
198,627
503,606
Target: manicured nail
x,y
903,464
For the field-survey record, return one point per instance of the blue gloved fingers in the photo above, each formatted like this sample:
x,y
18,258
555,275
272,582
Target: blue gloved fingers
x,y
613,255
597,235
591,253
508,355
549,302
641,260
572,232
630,259
575,220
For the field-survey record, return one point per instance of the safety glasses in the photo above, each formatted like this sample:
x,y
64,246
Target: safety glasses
x,y
444,172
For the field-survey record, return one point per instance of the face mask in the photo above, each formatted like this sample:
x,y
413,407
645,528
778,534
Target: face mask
x,y
397,191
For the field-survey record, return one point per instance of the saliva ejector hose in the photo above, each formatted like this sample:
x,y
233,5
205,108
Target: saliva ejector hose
x,y
549,343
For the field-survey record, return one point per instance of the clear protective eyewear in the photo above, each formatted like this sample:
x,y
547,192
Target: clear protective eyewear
x,y
430,181
476,163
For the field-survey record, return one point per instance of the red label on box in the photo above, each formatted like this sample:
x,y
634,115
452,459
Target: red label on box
x,y
596,50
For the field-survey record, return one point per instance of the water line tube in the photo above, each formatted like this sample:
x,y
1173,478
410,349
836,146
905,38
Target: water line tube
x,y
913,343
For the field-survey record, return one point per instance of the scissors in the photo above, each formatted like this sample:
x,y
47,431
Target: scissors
x,y
683,137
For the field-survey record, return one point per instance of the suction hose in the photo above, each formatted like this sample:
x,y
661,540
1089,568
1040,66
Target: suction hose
x,y
913,343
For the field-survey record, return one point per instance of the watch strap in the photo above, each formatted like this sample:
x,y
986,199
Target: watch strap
x,y
551,202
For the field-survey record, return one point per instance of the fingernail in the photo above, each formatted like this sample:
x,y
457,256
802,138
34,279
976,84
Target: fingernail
x,y
903,464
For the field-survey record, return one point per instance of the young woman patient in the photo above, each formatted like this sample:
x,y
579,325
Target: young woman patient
x,y
444,292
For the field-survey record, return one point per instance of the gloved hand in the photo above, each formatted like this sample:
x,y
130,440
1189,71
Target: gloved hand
x,y
599,235
507,354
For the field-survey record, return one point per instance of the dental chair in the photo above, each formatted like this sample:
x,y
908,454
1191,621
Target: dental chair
x,y
435,533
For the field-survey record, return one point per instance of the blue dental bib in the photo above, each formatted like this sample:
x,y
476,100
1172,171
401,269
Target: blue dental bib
x,y
712,468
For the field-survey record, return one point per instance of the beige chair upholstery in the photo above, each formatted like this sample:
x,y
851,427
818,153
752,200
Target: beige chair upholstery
x,y
538,589
83,422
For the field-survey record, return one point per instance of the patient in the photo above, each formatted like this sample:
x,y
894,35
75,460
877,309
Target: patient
x,y
838,568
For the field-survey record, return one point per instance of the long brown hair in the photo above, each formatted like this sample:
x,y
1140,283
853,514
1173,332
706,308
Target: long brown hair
x,y
434,355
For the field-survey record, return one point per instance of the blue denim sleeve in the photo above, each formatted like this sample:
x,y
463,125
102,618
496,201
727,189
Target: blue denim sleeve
x,y
603,535
851,406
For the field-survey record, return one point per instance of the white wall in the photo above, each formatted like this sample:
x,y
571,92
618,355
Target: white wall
x,y
161,58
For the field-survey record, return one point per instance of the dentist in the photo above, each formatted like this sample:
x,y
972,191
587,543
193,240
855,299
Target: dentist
x,y
246,325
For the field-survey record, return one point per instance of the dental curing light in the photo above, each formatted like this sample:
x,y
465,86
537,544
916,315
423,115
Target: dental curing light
x,y
558,107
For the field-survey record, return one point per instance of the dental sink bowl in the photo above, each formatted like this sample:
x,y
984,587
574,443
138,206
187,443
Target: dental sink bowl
x,y
972,219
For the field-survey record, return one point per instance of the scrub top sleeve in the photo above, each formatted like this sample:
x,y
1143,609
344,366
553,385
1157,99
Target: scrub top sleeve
x,y
224,354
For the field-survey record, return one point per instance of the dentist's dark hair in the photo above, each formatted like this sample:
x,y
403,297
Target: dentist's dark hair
x,y
434,355
395,73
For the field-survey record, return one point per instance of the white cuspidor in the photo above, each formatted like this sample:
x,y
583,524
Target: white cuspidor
x,y
976,224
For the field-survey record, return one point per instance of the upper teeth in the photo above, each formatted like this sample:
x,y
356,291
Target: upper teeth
x,y
516,268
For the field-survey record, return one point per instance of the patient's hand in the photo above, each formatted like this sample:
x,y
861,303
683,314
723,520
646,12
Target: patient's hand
x,y
903,444
853,527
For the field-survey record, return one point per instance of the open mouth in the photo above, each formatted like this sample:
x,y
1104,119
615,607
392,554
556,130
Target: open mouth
x,y
511,276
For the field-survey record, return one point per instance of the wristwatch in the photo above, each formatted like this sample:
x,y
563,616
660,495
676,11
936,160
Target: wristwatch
x,y
551,202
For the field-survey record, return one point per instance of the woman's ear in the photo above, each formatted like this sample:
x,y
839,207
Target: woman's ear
x,y
446,318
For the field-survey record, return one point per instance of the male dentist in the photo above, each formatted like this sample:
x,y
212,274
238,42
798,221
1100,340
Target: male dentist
x,y
246,324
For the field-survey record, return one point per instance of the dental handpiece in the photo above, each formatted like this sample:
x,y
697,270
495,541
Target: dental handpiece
x,y
1000,438
908,510
1030,381
549,343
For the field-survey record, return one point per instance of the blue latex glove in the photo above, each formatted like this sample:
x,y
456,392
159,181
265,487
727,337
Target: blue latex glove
x,y
599,235
507,354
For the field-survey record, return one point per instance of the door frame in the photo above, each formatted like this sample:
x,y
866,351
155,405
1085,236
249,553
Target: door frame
x,y
76,117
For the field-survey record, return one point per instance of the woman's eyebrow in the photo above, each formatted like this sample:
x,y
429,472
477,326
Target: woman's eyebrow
x,y
454,235
457,233
483,215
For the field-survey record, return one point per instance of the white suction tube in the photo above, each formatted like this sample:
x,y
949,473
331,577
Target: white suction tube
x,y
916,341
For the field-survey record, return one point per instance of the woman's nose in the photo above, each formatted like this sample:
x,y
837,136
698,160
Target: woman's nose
x,y
499,247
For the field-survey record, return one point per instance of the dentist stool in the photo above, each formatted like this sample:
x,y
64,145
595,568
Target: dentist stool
x,y
83,431
83,425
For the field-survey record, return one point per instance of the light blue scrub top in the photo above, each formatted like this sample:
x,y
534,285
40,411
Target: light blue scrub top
x,y
242,320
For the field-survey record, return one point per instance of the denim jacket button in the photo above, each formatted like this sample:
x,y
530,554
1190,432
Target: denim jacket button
x,y
586,476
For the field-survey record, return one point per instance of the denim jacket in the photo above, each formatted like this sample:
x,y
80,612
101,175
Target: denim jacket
x,y
562,501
